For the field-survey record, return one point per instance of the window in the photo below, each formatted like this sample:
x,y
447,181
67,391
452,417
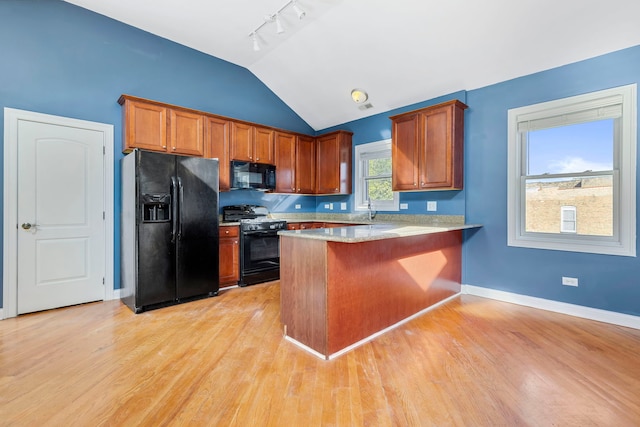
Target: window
x,y
576,157
568,219
373,177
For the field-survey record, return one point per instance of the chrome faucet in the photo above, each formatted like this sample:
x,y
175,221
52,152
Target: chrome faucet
x,y
372,213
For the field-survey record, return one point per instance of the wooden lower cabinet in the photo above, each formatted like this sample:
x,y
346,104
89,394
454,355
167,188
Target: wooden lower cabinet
x,y
229,255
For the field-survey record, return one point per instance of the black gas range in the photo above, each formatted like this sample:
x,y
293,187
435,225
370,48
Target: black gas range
x,y
259,242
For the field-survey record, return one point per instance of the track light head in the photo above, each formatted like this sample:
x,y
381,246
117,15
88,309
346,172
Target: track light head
x,y
301,13
256,45
279,27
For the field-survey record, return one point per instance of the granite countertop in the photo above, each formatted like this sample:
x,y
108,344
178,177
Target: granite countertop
x,y
375,231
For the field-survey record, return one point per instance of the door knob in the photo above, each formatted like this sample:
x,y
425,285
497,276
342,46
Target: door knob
x,y
27,226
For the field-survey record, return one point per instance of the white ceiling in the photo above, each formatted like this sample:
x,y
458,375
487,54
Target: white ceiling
x,y
401,51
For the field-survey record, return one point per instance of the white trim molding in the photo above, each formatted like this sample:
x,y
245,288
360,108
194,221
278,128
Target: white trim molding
x,y
10,197
596,314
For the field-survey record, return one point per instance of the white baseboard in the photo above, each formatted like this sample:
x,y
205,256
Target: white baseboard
x,y
116,294
605,316
1,315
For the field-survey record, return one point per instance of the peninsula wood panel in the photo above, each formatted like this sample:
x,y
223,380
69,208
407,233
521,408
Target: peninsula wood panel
x,y
386,281
335,294
303,298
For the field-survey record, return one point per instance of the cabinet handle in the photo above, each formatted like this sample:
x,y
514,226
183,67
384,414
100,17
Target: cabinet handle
x,y
257,159
226,232
164,146
235,242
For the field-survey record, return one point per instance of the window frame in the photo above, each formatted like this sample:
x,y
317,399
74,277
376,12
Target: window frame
x,y
361,153
563,112
573,221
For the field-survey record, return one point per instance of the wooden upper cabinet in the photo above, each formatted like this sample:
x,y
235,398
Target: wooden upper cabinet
x,y
263,145
153,126
285,156
241,142
333,163
144,125
427,148
404,152
216,137
305,165
186,133
252,143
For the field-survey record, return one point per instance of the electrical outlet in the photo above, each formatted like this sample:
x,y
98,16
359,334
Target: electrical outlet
x,y
432,206
570,281
343,206
404,206
298,206
326,205
330,206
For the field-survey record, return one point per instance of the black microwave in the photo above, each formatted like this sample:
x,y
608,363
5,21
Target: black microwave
x,y
257,176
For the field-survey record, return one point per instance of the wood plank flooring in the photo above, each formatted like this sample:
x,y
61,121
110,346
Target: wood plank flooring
x,y
223,362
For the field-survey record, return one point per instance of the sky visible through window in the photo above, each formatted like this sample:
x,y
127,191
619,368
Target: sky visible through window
x,y
571,149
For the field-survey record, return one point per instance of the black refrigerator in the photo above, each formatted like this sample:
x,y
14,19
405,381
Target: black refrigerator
x,y
169,229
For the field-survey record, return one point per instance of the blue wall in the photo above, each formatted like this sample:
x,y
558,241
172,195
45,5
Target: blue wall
x,y
606,282
64,60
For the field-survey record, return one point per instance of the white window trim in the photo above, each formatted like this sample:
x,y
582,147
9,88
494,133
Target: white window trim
x,y
625,242
574,221
360,200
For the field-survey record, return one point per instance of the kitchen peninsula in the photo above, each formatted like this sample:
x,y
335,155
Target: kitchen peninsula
x,y
341,286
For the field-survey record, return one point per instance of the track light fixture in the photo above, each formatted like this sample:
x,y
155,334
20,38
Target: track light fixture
x,y
301,13
279,28
275,17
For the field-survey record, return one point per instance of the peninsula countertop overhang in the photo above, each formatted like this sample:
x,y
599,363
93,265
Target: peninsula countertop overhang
x,y
373,231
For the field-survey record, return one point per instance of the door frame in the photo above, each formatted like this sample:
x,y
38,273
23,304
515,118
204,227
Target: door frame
x,y
10,201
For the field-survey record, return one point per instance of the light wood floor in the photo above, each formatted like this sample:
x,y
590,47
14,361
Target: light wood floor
x,y
223,362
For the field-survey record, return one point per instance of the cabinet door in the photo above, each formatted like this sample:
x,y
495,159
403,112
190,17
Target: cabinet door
x,y
404,152
333,163
285,156
263,145
305,165
186,133
241,142
435,151
216,134
145,126
229,256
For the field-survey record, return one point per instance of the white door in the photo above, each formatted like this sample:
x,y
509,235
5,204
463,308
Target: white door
x,y
61,226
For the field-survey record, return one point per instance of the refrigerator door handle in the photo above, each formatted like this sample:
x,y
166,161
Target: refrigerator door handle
x,y
174,209
181,193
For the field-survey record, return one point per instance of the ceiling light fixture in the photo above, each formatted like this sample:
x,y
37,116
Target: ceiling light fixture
x,y
275,17
359,96
256,45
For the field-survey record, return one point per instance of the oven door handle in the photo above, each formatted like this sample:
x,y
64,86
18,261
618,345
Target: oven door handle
x,y
261,233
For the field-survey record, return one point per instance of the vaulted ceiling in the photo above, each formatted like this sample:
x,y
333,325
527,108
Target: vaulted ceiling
x,y
400,52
